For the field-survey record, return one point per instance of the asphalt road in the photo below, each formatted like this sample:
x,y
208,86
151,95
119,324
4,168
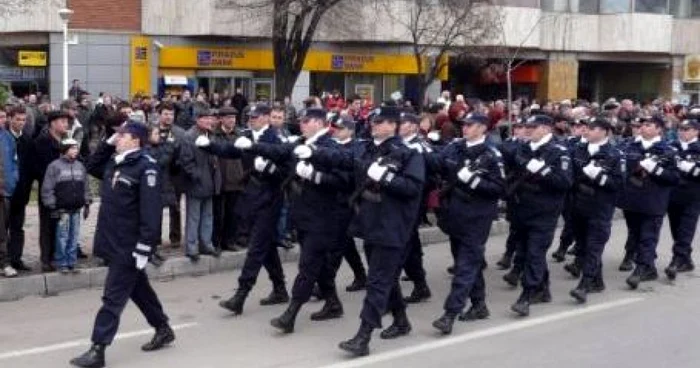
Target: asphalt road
x,y
655,326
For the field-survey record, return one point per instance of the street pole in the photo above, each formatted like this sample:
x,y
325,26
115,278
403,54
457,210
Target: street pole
x,y
65,60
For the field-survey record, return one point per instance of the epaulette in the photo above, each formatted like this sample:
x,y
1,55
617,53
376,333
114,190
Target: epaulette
x,y
150,158
495,151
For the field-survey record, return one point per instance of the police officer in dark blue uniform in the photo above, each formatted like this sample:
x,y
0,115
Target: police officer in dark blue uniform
x,y
544,177
598,176
652,174
627,263
260,204
476,174
128,229
390,179
684,205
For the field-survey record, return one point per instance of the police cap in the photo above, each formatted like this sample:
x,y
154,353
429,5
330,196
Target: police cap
x,y
383,113
313,113
342,121
600,122
407,117
539,120
136,130
476,118
259,110
228,111
689,124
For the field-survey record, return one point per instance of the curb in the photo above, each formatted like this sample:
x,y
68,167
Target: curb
x,y
53,284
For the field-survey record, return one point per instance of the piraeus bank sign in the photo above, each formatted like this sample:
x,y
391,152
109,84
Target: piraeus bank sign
x,y
218,57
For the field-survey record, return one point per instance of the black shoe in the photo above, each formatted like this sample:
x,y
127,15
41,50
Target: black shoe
x,y
444,324
686,266
357,285
522,306
597,286
672,270
451,270
400,327
164,336
81,255
505,262
512,277
477,311
235,304
580,293
574,269
560,255
285,244
20,266
214,252
627,263
46,268
93,358
358,345
541,296
419,294
332,309
641,274
285,322
194,258
278,295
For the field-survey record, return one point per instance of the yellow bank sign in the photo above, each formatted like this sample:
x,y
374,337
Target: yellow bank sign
x,y
31,58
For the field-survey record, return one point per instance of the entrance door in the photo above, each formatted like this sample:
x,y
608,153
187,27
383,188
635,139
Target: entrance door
x,y
262,90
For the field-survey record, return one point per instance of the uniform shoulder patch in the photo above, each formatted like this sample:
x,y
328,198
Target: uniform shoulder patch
x,y
150,158
151,177
495,151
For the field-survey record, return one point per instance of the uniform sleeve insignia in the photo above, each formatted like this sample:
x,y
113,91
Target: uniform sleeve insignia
x,y
151,178
565,163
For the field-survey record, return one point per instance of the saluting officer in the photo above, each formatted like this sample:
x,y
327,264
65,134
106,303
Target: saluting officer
x,y
390,178
651,175
260,204
598,176
476,178
544,177
684,205
128,230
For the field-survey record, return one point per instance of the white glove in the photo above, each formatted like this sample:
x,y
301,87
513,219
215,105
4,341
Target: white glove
x,y
434,136
141,260
685,166
648,164
305,170
376,171
243,143
261,164
535,165
465,175
202,141
303,152
292,139
592,171
112,140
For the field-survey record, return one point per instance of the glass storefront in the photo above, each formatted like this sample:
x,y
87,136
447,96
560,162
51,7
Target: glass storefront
x,y
377,87
256,86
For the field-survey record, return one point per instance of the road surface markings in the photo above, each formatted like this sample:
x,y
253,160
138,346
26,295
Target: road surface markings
x,y
510,327
79,343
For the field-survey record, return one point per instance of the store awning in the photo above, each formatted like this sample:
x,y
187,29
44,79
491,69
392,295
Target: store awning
x,y
175,80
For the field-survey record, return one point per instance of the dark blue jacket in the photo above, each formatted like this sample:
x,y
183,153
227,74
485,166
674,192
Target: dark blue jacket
x,y
509,148
649,193
131,210
597,197
688,189
388,221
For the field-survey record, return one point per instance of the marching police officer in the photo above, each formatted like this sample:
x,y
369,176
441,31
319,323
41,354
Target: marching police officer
x,y
128,229
543,168
684,205
652,174
598,176
477,180
627,263
390,178
260,204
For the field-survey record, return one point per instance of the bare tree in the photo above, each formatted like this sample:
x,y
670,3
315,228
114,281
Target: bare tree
x,y
293,26
439,28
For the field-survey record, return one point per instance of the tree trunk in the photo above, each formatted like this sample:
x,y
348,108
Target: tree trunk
x,y
285,78
509,86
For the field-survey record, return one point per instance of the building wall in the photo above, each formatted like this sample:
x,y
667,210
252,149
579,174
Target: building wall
x,y
41,17
122,15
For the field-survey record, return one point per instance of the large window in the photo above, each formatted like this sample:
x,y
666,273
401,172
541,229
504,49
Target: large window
x,y
651,6
615,6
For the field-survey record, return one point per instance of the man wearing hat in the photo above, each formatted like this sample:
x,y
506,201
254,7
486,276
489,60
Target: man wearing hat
x,y
543,169
390,178
477,179
260,204
128,228
408,131
652,174
598,176
684,204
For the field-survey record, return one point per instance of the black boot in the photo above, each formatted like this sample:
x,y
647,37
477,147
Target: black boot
x,y
522,305
164,336
580,293
235,304
598,285
574,269
359,283
420,293
278,295
444,324
93,358
541,296
672,269
477,311
333,308
400,327
573,250
627,262
505,262
358,345
641,273
285,322
686,266
512,277
560,254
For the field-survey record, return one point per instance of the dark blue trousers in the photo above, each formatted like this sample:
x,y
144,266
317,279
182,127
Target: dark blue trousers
x,y
683,220
646,229
591,233
262,250
383,289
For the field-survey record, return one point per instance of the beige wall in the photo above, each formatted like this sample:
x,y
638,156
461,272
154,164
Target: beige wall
x,y
559,79
42,16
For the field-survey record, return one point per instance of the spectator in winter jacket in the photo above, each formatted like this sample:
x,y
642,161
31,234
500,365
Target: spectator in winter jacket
x,y
65,192
6,187
173,183
18,118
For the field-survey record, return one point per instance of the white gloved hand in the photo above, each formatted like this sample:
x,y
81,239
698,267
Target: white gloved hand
x,y
112,140
592,171
434,136
292,139
535,165
243,143
376,171
648,164
685,166
303,152
202,141
261,164
464,175
141,260
305,170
